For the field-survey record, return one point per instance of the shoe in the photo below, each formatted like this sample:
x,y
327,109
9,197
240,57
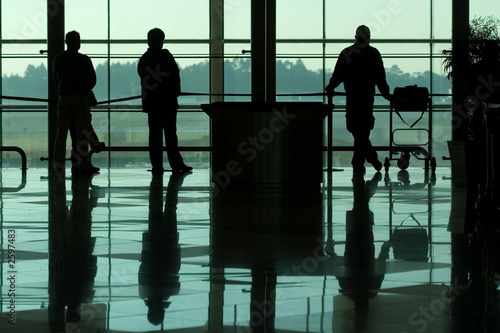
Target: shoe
x,y
88,170
182,169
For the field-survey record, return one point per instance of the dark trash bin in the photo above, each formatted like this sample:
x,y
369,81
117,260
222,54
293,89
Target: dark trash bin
x,y
260,145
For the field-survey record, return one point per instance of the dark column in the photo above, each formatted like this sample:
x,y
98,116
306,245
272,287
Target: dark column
x,y
216,49
263,50
57,189
258,45
460,24
55,45
216,294
270,50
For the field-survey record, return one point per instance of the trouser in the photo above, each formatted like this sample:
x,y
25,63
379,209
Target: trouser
x,y
360,129
72,108
92,138
163,124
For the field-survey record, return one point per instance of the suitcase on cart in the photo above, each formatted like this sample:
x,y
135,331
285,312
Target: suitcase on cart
x,y
409,98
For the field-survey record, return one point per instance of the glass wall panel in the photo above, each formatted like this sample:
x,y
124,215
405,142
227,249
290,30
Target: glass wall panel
x,y
441,23
24,76
179,19
484,8
128,128
101,89
302,67
124,80
386,19
299,19
89,18
237,78
441,116
308,52
440,82
193,129
130,160
25,19
22,50
27,130
299,70
193,62
341,137
409,58
236,19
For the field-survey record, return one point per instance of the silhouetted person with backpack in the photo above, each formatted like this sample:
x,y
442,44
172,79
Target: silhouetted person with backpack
x,y
360,68
75,77
161,85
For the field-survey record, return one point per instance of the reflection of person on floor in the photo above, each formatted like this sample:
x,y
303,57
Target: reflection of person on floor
x,y
161,253
72,267
360,68
362,278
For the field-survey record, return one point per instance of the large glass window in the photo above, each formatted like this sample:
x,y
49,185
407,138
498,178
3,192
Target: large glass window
x,y
23,71
299,19
310,35
24,20
114,36
236,19
403,31
89,18
179,19
386,19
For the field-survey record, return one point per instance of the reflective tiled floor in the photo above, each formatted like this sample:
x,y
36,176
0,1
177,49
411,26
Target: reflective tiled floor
x,y
123,251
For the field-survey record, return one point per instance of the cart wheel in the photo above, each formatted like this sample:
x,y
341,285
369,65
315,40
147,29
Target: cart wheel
x,y
387,164
433,164
404,161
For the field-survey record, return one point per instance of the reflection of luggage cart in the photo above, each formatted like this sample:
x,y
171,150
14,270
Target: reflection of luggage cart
x,y
411,240
412,99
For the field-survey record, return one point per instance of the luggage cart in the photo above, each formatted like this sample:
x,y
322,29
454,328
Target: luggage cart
x,y
410,99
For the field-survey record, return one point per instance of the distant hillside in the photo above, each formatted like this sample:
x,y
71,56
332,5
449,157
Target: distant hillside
x,y
292,77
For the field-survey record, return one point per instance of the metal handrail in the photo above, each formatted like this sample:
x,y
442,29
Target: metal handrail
x,y
23,168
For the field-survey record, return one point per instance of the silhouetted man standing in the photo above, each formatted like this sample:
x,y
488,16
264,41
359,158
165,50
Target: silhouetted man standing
x,y
75,77
161,85
360,68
